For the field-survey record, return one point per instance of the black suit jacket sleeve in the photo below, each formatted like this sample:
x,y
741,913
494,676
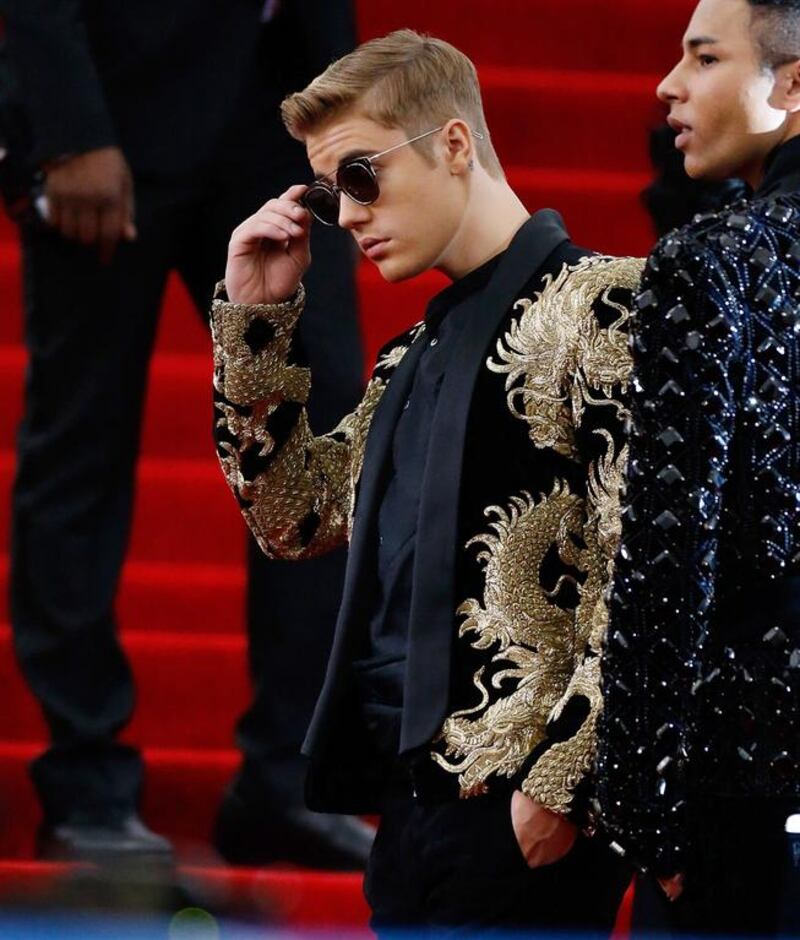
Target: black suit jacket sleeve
x,y
59,86
684,414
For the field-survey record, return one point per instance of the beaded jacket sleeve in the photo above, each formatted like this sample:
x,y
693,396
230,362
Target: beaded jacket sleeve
x,y
687,346
295,489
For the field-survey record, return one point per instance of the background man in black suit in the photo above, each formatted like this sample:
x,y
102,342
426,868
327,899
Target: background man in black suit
x,y
156,128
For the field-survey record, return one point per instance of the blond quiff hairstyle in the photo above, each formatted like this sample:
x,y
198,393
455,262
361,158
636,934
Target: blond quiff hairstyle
x,y
404,79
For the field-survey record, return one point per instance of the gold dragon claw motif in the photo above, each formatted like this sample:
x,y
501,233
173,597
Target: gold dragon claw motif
x,y
533,636
557,357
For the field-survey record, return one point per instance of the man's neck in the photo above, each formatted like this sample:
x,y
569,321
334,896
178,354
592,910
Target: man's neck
x,y
755,175
493,217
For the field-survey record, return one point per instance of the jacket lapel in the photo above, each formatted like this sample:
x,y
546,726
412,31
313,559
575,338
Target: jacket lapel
x,y
429,636
427,686
358,591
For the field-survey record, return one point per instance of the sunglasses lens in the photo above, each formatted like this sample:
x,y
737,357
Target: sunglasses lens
x,y
322,203
358,181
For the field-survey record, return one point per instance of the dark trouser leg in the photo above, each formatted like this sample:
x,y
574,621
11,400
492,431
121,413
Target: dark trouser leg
x,y
89,332
291,607
457,867
735,882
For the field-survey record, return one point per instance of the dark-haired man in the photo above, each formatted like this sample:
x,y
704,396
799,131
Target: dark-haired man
x,y
700,751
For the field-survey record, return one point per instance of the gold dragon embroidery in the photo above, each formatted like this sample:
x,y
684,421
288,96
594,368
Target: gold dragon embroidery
x,y
531,632
556,356
309,476
557,359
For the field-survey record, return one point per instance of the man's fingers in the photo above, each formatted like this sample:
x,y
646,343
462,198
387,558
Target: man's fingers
x,y
283,209
294,192
53,217
87,224
287,220
672,887
110,228
69,221
128,228
283,205
274,228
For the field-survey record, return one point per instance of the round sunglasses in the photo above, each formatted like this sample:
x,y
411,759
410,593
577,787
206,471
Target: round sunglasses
x,y
357,179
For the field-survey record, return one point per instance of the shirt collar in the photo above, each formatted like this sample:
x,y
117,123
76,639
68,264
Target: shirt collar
x,y
783,162
443,302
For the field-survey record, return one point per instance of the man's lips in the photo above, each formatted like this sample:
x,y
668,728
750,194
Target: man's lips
x,y
373,247
681,129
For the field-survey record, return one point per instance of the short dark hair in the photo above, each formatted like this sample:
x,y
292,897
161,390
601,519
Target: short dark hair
x,y
777,27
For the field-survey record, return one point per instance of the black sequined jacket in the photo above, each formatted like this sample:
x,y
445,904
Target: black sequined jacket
x,y
702,664
517,526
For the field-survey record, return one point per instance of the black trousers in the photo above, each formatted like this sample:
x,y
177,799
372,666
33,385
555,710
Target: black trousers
x,y
456,867
90,331
740,880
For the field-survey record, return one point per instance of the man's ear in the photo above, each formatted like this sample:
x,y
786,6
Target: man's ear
x,y
459,148
786,94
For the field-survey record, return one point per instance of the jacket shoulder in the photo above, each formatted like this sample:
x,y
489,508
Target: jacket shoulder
x,y
734,234
392,352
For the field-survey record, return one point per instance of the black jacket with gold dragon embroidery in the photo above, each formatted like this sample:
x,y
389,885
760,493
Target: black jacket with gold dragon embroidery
x,y
702,666
517,527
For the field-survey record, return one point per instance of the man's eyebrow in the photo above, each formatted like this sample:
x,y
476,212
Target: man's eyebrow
x,y
354,155
697,41
351,155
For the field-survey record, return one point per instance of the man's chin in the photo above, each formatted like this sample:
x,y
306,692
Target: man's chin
x,y
393,270
698,168
695,169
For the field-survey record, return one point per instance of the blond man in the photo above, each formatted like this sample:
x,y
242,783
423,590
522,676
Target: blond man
x,y
476,483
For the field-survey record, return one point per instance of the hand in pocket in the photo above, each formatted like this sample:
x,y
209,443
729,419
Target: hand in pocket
x,y
543,836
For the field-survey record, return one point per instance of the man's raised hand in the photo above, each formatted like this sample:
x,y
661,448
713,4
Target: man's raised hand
x,y
269,253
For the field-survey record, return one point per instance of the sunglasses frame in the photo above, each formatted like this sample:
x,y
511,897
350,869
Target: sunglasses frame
x,y
337,191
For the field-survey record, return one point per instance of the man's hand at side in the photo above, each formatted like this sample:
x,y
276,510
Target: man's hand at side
x,y
672,887
90,199
269,253
543,836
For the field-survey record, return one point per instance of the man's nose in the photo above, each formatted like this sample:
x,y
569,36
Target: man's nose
x,y
672,88
351,213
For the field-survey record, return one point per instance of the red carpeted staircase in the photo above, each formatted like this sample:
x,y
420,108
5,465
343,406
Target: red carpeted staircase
x,y
569,91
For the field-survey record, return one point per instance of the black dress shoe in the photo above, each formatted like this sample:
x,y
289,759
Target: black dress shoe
x,y
246,835
102,840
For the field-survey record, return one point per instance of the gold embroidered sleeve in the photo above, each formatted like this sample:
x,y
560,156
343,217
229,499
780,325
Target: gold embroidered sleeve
x,y
598,417
294,490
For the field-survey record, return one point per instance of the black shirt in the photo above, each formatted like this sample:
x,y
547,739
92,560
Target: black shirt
x,y
380,675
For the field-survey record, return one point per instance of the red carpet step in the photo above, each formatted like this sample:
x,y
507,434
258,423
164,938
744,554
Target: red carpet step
x,y
182,792
178,676
184,510
179,396
623,35
197,599
297,899
528,112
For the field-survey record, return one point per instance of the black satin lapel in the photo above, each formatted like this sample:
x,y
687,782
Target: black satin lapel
x,y
380,437
433,603
361,552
